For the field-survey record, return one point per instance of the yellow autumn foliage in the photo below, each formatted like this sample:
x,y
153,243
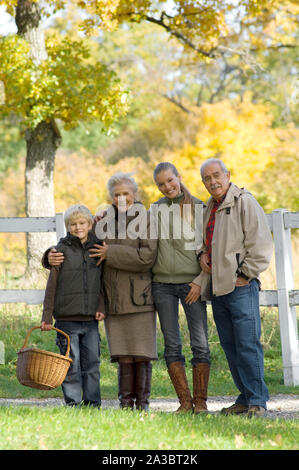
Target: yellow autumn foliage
x,y
84,179
277,185
12,204
261,158
77,179
239,133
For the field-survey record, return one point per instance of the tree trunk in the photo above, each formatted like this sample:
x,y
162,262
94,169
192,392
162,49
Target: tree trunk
x,y
39,190
42,143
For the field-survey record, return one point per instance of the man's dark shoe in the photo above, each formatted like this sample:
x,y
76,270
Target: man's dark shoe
x,y
235,409
255,410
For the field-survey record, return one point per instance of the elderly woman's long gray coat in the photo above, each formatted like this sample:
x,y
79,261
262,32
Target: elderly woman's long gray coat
x,y
129,308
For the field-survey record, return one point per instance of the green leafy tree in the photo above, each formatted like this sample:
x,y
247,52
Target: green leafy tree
x,y
48,81
57,79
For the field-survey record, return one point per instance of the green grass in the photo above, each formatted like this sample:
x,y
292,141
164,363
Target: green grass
x,y
84,429
112,429
16,319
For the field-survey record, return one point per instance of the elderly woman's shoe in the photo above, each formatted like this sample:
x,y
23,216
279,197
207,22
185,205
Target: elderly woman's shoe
x,y
143,379
126,385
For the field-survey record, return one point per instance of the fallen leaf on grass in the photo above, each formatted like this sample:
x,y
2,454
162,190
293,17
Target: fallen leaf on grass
x,y
42,445
277,441
239,440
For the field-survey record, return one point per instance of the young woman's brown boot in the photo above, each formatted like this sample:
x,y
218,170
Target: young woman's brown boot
x,y
177,374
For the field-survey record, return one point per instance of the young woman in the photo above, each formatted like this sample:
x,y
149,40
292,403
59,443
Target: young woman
x,y
174,281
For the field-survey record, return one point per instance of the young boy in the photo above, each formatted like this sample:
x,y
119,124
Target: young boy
x,y
74,298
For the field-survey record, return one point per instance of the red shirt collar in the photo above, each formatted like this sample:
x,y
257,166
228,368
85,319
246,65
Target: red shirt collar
x,y
217,203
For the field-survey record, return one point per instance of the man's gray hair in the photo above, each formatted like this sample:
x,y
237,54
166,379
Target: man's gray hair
x,y
121,178
212,160
77,210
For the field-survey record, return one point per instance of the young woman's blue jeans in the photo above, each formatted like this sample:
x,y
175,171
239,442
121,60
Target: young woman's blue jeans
x,y
237,318
166,298
82,383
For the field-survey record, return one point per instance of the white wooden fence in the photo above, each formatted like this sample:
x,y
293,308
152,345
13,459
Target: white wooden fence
x,y
285,297
32,224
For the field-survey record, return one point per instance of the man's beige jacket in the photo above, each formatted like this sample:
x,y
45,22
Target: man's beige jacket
x,y
242,241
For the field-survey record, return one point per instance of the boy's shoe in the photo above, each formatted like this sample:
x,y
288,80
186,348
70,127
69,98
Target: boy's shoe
x,y
255,410
235,409
73,405
91,404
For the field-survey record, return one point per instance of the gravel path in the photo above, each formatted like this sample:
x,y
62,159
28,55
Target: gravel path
x,y
279,406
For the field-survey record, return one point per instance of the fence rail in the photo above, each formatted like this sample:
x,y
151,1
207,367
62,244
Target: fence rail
x,y
268,298
33,224
285,297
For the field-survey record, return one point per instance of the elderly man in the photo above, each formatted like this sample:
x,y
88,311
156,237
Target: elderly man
x,y
237,247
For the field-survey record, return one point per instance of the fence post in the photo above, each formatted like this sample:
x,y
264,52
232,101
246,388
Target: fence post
x,y
2,353
60,228
287,313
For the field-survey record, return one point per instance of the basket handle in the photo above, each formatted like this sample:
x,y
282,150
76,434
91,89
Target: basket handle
x,y
52,328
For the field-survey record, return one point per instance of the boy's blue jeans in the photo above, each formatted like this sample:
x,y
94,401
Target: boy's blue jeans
x,y
237,318
166,298
82,383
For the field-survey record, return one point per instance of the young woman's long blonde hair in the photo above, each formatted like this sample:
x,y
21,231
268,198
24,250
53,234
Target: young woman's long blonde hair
x,y
187,199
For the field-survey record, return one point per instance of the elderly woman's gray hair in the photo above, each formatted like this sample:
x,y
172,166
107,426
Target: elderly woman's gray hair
x,y
212,160
121,178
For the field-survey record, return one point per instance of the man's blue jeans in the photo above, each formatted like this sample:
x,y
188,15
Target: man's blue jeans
x,y
82,383
237,318
166,298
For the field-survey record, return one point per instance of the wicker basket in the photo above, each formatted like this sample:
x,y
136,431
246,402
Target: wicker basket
x,y
41,369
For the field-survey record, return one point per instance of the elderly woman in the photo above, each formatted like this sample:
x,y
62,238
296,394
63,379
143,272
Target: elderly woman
x,y
129,308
